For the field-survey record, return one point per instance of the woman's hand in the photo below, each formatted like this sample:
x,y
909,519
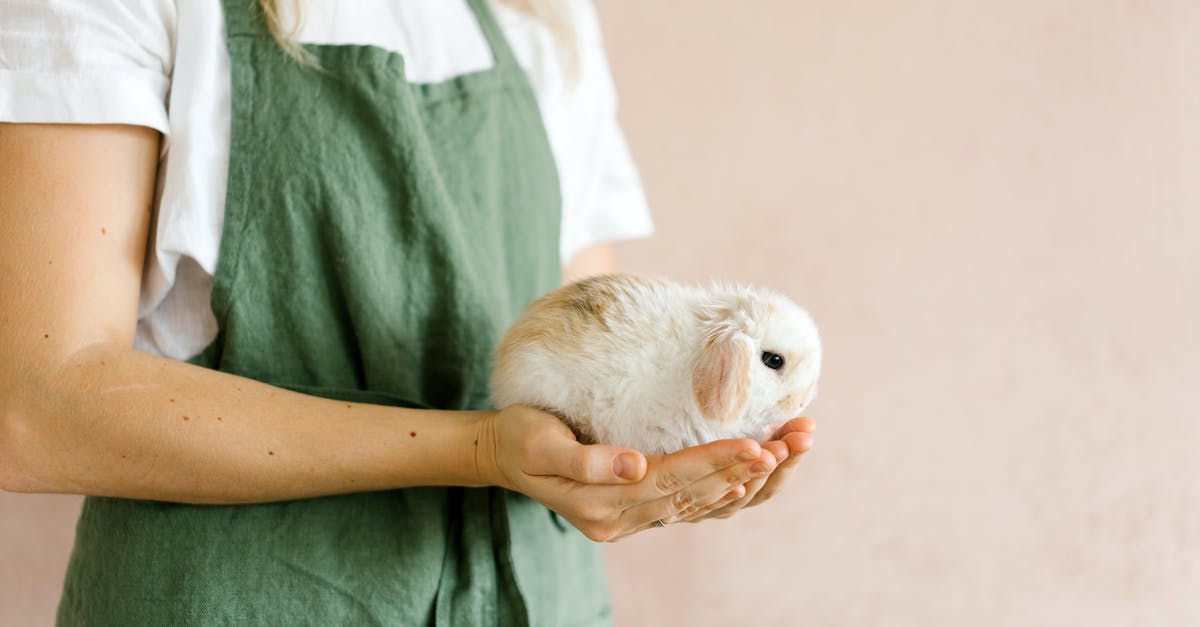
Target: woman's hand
x,y
609,492
788,445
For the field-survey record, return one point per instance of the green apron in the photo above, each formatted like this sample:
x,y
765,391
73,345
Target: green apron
x,y
379,237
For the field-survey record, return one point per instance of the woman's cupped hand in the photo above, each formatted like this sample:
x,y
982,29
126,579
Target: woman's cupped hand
x,y
610,492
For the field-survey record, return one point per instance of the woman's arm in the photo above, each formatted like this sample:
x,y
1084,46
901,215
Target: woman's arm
x,y
82,412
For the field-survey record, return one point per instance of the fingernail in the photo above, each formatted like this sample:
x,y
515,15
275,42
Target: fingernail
x,y
746,456
625,466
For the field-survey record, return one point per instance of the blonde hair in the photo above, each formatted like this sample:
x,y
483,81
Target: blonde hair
x,y
549,12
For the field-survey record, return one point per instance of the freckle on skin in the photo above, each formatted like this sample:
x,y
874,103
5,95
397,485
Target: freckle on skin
x,y
186,418
349,407
270,452
476,442
103,231
219,419
413,433
46,336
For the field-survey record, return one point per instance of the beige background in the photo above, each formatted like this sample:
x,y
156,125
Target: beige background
x,y
991,209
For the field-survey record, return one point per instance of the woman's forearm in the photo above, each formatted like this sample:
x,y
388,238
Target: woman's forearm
x,y
82,412
112,421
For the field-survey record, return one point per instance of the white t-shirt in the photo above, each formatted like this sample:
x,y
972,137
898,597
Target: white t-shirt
x,y
163,64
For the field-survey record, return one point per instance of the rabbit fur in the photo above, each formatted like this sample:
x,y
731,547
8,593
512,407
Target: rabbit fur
x,y
658,366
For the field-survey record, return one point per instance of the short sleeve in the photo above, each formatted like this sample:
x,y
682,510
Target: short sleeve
x,y
603,200
86,62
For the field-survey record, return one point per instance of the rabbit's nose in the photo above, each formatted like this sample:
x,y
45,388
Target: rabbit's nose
x,y
794,402
797,401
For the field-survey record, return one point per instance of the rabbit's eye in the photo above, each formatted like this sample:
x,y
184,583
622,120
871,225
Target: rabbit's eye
x,y
774,361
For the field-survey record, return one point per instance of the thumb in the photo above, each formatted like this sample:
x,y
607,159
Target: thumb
x,y
594,463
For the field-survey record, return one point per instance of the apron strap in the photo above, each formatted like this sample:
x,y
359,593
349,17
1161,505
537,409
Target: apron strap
x,y
505,59
245,17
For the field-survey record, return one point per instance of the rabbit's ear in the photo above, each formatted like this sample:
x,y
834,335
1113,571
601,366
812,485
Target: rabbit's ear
x,y
721,380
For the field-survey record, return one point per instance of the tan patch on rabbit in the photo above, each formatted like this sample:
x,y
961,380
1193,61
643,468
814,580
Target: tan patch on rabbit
x,y
566,315
594,299
599,297
591,300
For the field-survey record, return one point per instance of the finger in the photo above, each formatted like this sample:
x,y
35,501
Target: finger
x,y
705,495
778,448
669,474
591,464
770,485
780,477
798,441
806,425
698,495
748,491
735,494
752,490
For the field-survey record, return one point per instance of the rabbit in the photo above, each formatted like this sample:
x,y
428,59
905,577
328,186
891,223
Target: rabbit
x,y
658,366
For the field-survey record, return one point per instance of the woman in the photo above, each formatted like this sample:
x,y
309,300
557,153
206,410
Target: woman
x,y
263,352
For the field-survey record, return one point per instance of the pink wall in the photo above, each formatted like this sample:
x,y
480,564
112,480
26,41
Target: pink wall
x,y
992,210
36,532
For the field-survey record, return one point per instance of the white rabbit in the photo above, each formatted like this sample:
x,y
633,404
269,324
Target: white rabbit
x,y
657,366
